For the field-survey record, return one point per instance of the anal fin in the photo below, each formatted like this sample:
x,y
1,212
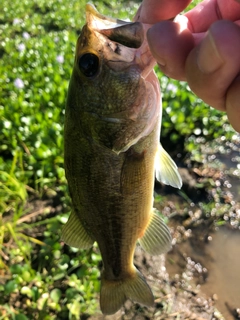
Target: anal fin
x,y
166,169
74,234
157,238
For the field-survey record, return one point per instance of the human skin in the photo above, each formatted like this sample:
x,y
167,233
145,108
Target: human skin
x,y
201,47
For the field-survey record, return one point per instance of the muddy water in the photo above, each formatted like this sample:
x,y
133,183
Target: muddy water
x,y
220,257
223,262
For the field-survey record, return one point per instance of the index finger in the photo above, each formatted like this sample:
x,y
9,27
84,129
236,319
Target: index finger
x,y
152,11
205,13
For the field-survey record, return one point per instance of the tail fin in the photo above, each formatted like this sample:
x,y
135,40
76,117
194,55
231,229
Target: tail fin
x,y
115,293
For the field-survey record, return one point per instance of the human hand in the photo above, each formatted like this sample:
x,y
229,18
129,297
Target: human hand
x,y
200,48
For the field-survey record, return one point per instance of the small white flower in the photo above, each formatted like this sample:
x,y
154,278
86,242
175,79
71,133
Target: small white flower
x,y
25,120
7,124
171,87
16,21
60,59
56,39
21,47
26,35
18,83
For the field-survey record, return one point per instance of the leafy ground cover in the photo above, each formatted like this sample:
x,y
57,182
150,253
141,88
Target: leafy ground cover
x,y
40,278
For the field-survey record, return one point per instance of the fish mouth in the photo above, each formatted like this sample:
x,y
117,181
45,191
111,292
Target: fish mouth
x,y
128,39
129,34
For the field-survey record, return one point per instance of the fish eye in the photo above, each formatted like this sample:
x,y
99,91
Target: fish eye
x,y
88,64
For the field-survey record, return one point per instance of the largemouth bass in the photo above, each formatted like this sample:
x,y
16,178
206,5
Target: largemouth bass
x,y
112,154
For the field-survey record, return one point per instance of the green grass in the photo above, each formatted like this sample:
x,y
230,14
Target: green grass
x,y
39,278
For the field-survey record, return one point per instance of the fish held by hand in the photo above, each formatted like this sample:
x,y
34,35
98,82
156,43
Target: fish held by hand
x,y
112,154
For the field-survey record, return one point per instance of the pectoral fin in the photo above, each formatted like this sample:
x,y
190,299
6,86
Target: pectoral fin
x,y
74,234
157,238
166,169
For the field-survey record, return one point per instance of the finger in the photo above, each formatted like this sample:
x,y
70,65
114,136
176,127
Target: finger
x,y
214,63
205,13
198,37
233,104
184,23
152,11
170,46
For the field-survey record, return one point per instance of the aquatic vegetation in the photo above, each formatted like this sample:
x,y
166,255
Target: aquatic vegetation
x,y
39,278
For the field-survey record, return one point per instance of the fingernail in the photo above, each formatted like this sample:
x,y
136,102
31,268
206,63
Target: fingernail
x,y
209,59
